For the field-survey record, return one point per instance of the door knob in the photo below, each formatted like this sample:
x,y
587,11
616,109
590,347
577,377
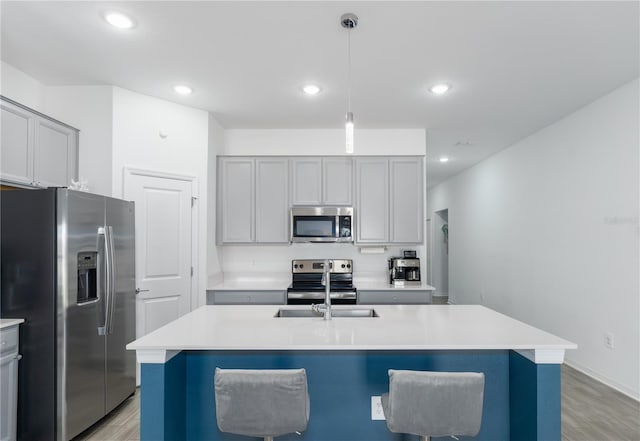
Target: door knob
x,y
138,290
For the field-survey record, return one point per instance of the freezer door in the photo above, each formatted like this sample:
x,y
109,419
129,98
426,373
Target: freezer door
x,y
121,364
81,311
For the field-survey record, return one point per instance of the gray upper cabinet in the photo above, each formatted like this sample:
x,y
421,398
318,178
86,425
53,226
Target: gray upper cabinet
x,y
16,163
55,158
390,200
36,151
337,181
256,193
406,199
236,199
253,200
306,180
322,181
372,210
272,200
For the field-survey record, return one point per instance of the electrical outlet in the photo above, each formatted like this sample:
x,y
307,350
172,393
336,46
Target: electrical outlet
x,y
609,340
376,408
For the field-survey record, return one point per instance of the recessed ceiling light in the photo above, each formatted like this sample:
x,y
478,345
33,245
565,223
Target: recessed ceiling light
x,y
440,89
119,20
182,89
444,159
311,89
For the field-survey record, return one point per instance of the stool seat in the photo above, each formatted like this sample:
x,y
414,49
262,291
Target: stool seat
x,y
434,403
264,403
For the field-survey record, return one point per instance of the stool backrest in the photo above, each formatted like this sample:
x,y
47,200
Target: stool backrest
x,y
265,402
435,403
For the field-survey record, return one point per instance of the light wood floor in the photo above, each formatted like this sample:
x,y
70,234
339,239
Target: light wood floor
x,y
591,411
123,424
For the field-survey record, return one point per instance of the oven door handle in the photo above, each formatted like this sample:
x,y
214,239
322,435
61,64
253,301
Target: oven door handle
x,y
347,295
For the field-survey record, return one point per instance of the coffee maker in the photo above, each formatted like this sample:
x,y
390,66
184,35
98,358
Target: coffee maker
x,y
404,270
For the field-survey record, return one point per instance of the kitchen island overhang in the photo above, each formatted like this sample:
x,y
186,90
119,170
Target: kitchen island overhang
x,y
347,361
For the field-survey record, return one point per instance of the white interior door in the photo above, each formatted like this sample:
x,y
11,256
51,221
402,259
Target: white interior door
x,y
163,212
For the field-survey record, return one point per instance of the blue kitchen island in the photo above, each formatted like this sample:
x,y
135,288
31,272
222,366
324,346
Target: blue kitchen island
x,y
347,360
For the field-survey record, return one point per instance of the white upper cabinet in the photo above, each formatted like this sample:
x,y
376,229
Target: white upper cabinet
x,y
322,181
253,200
390,200
36,151
372,196
236,200
406,199
272,200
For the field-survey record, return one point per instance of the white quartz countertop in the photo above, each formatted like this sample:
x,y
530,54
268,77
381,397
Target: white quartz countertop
x,y
8,322
399,327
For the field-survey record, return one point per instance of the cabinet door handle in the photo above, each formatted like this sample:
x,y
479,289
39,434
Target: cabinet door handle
x,y
138,290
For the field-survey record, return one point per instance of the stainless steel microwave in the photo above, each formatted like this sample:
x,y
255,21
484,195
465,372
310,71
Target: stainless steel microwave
x,y
321,224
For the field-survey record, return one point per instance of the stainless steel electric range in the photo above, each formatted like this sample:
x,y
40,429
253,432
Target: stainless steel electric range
x,y
306,287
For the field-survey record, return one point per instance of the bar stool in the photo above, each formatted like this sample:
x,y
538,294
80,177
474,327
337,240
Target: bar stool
x,y
434,403
263,403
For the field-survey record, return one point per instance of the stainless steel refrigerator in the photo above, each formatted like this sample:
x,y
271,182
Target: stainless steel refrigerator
x,y
67,268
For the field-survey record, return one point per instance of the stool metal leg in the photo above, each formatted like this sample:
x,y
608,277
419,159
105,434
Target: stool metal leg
x,y
425,438
268,438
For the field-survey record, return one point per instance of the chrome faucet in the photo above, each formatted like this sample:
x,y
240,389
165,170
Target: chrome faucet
x,y
326,282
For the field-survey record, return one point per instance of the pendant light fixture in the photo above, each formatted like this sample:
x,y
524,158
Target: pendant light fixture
x,y
349,21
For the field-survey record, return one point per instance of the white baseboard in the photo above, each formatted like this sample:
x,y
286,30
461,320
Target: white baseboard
x,y
604,380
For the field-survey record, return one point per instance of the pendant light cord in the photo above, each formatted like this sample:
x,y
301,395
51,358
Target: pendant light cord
x,y
349,69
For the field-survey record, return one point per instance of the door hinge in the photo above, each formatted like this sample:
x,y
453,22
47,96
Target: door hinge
x,y
193,200
191,271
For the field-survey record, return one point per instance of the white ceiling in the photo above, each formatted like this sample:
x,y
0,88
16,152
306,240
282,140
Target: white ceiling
x,y
515,67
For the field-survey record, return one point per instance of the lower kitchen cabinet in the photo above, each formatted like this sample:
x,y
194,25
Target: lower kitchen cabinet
x,y
220,297
394,297
8,382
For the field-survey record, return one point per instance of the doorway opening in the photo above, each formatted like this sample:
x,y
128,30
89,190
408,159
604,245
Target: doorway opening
x,y
440,241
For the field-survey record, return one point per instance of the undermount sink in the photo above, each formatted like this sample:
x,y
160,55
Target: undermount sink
x,y
336,313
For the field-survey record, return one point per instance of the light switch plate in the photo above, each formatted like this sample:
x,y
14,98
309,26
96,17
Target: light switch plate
x,y
376,408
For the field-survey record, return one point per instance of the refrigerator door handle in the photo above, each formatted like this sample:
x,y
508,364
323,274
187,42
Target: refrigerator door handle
x,y
112,274
104,232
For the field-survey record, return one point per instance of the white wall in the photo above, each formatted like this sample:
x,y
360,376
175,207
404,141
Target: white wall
x,y
547,232
323,142
89,109
269,260
20,87
137,122
275,260
216,145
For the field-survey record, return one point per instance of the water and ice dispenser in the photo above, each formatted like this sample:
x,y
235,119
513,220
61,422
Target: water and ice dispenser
x,y
87,276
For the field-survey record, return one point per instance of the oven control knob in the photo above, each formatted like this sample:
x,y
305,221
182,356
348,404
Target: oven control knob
x,y
348,265
343,265
301,265
295,265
